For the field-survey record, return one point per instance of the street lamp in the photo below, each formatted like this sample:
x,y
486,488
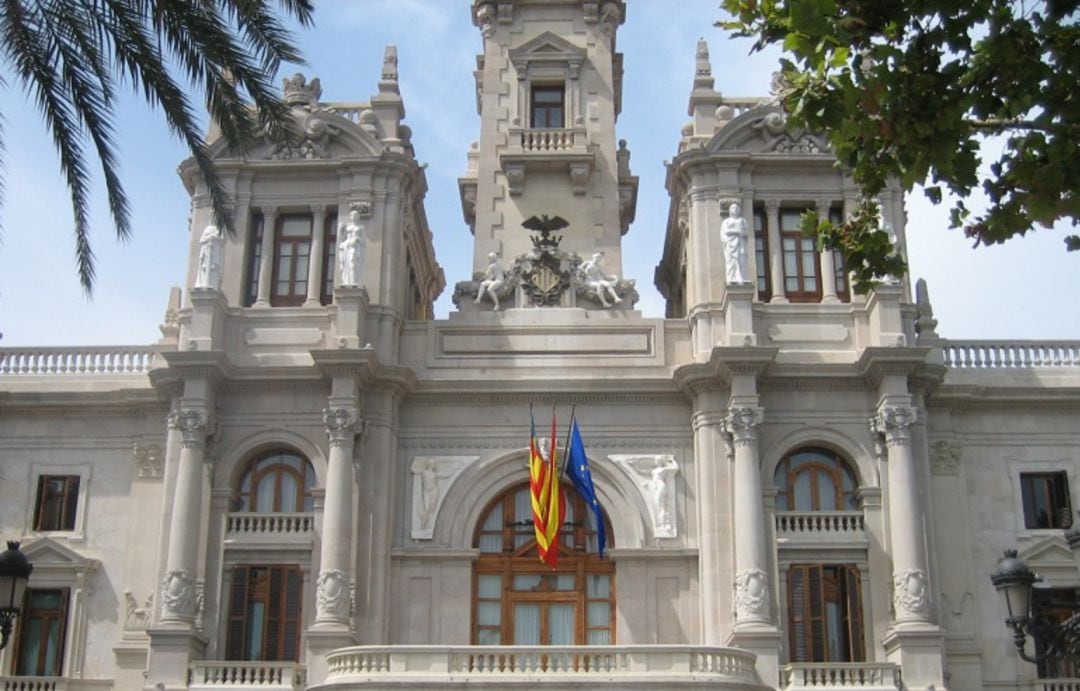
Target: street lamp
x,y
15,571
1014,580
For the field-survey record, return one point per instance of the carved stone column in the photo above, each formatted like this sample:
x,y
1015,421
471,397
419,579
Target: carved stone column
x,y
713,526
315,259
178,584
266,256
911,600
828,265
752,583
332,586
776,251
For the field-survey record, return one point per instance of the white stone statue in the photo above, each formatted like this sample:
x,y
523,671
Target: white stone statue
x,y
494,280
654,474
599,282
211,243
351,248
660,489
736,238
432,477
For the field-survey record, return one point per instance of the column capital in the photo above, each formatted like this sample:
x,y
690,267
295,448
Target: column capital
x,y
894,423
343,425
742,424
194,427
771,205
824,203
268,211
318,210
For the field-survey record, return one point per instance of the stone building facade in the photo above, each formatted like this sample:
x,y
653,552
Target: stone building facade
x,y
310,482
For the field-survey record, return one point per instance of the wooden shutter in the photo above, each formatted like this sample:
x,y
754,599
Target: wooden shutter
x,y
291,620
236,632
853,613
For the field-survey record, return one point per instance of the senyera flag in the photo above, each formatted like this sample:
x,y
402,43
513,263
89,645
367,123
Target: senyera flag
x,y
577,471
546,493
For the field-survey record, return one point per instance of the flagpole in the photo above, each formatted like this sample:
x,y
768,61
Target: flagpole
x,y
566,449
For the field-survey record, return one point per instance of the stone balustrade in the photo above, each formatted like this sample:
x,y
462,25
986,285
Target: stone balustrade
x,y
32,684
807,676
820,524
742,104
645,666
1011,354
1072,684
275,525
88,360
268,676
551,140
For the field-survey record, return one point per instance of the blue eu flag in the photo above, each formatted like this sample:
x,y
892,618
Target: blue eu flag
x,y
577,471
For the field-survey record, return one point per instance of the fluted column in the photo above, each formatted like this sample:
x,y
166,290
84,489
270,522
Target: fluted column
x,y
911,602
335,572
776,251
266,257
828,265
709,459
752,590
178,584
315,259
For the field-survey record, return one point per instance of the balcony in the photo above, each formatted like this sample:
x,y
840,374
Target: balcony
x,y
809,528
266,676
33,684
1011,354
661,666
547,149
269,530
809,676
1072,684
95,361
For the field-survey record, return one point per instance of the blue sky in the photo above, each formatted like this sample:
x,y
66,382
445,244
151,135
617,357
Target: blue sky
x,y
1025,289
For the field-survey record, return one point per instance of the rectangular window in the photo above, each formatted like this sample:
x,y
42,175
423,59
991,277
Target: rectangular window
x,y
251,292
1046,500
264,614
824,613
329,259
548,106
1057,605
761,255
292,252
39,649
57,499
801,266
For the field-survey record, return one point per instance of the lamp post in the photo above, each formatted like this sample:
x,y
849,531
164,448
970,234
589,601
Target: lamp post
x,y
15,571
1014,580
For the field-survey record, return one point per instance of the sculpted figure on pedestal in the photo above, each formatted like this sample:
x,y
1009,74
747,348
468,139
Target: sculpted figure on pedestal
x,y
352,245
736,236
210,250
603,285
493,282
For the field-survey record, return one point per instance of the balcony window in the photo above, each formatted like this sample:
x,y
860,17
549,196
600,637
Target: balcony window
x,y
57,501
802,269
813,479
264,613
1046,500
291,260
548,106
280,481
39,648
517,600
1057,605
824,608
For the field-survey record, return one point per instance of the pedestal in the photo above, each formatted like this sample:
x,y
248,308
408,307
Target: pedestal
x,y
171,652
763,641
352,310
883,311
318,644
739,315
919,651
207,328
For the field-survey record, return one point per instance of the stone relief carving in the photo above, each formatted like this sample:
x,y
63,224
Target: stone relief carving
x,y
342,425
610,16
742,424
149,461
332,595
957,617
136,616
432,477
779,139
752,595
494,283
313,129
894,423
194,426
598,285
211,246
655,476
178,595
945,457
910,593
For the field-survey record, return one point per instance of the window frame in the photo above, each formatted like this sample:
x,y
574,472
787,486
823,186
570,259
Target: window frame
x,y
1057,605
26,618
329,259
761,254
848,584
238,613
68,513
301,249
83,471
845,499
305,478
1056,486
254,258
545,108
800,250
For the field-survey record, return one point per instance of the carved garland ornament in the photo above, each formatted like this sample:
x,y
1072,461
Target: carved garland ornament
x,y
332,594
909,593
178,595
752,595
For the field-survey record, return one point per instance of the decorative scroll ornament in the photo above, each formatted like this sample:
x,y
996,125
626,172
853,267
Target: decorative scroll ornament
x,y
137,617
743,423
342,425
332,595
910,597
149,460
178,595
894,421
752,595
194,426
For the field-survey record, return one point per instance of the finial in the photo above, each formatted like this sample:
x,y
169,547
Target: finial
x,y
389,64
703,78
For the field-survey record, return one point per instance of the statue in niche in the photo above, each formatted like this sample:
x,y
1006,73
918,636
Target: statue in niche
x,y
660,487
736,237
351,248
600,284
493,282
208,274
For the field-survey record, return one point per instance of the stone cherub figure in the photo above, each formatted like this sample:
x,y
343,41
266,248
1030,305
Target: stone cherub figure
x,y
208,274
351,249
603,285
736,236
493,282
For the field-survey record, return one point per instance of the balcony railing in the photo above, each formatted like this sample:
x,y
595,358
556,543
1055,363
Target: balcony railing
x,y
32,684
647,666
1072,684
93,360
268,676
270,525
820,524
806,676
550,140
1011,354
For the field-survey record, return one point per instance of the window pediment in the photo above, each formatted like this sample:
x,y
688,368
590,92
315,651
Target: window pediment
x,y
547,48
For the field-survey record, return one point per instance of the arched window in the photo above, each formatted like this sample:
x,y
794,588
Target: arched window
x,y
814,479
517,600
277,482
